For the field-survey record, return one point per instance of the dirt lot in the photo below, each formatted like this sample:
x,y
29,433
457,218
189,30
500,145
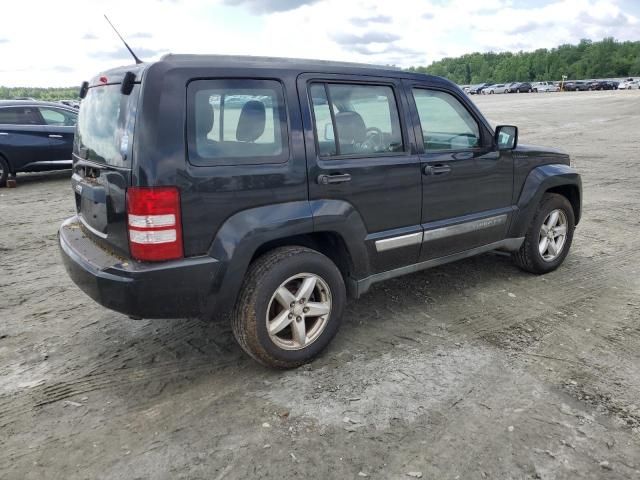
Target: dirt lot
x,y
473,370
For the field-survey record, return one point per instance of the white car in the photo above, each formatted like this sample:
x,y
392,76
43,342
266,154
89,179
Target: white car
x,y
629,84
499,88
545,87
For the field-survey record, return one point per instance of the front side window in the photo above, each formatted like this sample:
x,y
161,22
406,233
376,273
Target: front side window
x,y
446,123
20,116
364,118
58,118
235,121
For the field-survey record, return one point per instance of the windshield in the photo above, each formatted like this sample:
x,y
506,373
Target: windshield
x,y
105,125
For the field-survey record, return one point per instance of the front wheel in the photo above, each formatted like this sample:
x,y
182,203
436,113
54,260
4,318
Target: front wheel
x,y
548,239
290,306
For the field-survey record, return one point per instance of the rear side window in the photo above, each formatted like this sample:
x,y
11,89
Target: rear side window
x,y
20,116
363,118
236,122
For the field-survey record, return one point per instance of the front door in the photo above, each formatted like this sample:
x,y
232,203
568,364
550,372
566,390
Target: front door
x,y
360,156
466,182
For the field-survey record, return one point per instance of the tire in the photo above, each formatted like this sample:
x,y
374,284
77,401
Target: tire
x,y
4,172
529,257
258,304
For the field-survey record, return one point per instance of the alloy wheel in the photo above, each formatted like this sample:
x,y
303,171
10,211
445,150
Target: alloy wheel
x,y
298,311
553,235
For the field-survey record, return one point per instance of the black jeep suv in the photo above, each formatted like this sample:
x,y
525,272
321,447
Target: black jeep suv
x,y
272,188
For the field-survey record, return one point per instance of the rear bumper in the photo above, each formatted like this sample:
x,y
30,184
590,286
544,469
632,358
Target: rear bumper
x,y
175,289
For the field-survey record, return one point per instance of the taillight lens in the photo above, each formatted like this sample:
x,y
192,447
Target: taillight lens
x,y
153,222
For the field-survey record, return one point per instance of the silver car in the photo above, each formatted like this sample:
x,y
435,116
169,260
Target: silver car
x,y
499,88
545,87
629,84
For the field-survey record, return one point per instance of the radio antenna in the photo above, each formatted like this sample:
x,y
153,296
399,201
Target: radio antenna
x,y
138,61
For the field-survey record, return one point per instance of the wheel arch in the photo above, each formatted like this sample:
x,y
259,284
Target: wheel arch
x,y
571,193
551,178
331,227
6,159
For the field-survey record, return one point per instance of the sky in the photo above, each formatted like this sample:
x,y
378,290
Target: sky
x,y
45,43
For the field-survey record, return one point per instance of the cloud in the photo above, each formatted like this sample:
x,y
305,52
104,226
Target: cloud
x,y
62,69
123,54
365,21
269,6
366,38
618,20
4,40
140,35
89,36
530,27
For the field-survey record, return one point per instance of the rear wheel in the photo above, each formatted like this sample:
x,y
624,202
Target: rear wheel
x,y
4,172
290,307
548,240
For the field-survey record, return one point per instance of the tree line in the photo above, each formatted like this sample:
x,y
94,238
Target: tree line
x,y
45,94
608,58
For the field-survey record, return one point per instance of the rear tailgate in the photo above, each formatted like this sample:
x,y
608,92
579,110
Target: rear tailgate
x,y
102,162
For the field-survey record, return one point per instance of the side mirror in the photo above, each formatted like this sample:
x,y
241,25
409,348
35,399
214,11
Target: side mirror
x,y
506,137
328,131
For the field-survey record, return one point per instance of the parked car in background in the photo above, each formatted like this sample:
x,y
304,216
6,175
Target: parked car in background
x,y
499,88
511,86
476,89
523,87
35,137
576,86
629,84
602,85
70,103
545,87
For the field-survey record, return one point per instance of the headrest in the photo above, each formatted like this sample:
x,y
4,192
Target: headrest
x,y
351,127
252,121
204,119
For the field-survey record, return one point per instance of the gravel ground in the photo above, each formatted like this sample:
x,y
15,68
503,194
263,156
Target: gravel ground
x,y
472,370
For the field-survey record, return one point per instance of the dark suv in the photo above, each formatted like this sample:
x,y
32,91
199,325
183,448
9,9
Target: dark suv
x,y
274,187
35,137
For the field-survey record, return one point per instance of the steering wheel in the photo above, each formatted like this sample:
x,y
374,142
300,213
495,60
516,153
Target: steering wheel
x,y
374,139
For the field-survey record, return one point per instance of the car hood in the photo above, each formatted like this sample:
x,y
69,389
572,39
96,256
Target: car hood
x,y
547,153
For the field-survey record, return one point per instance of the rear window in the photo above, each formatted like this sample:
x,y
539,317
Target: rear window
x,y
236,122
104,133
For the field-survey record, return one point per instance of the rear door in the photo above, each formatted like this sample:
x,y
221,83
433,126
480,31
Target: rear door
x,y
466,182
359,152
102,160
23,139
60,125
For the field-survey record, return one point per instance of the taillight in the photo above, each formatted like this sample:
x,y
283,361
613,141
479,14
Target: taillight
x,y
153,222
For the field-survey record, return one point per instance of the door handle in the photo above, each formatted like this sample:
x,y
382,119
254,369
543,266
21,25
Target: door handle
x,y
55,136
438,169
335,178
